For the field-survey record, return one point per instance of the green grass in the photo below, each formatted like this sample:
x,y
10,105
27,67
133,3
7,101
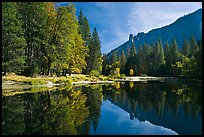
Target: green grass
x,y
36,81
42,80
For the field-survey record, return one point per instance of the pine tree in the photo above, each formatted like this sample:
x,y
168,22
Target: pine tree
x,y
133,51
174,52
186,48
84,28
114,58
132,60
105,64
161,59
123,61
13,42
123,58
166,50
80,21
34,17
146,52
193,46
95,57
128,52
161,55
140,60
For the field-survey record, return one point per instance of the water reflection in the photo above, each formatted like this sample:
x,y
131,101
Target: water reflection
x,y
82,110
44,113
115,120
177,107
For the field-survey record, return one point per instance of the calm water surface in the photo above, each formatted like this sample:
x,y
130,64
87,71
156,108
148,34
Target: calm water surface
x,y
123,108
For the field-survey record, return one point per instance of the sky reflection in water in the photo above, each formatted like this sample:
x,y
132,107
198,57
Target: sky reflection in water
x,y
114,118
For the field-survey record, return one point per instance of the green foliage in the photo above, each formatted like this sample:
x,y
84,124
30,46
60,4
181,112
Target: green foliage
x,y
13,42
75,70
95,57
114,58
156,61
45,39
193,46
173,52
186,48
34,26
94,73
122,76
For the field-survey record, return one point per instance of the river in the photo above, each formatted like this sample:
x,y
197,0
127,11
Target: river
x,y
132,108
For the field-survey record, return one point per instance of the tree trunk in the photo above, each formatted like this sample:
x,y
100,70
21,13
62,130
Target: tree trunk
x,y
4,71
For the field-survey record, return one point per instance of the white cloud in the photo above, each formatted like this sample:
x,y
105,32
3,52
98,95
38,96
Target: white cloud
x,y
147,16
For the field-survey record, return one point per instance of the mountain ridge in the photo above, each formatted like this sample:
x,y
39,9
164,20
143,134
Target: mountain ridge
x,y
182,28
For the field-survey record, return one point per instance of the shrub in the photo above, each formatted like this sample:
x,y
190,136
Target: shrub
x,y
122,76
94,73
75,70
117,72
131,72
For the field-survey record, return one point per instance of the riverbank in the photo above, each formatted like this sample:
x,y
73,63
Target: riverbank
x,y
22,82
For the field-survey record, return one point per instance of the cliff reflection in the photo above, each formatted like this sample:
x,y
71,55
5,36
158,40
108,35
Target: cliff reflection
x,y
162,104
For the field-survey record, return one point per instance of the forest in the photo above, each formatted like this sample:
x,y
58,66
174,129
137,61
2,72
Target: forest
x,y
155,60
42,38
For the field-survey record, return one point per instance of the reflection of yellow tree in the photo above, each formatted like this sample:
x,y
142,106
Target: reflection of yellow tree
x,y
67,113
117,85
131,84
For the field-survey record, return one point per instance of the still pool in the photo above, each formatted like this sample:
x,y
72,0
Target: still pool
x,y
130,108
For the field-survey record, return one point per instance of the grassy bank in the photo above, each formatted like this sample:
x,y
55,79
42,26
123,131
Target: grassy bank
x,y
12,80
34,81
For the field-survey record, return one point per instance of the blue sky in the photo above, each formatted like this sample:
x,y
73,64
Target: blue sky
x,y
114,21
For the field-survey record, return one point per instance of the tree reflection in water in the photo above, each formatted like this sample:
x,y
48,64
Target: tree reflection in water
x,y
71,111
45,113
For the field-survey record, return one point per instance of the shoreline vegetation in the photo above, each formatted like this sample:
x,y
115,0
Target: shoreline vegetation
x,y
58,42
13,81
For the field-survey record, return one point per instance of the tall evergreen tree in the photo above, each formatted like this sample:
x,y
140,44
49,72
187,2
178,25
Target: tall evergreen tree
x,y
193,45
161,54
186,48
166,50
34,17
133,51
174,52
13,42
128,52
140,60
105,65
95,57
114,58
132,60
146,52
80,21
84,28
161,59
123,61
